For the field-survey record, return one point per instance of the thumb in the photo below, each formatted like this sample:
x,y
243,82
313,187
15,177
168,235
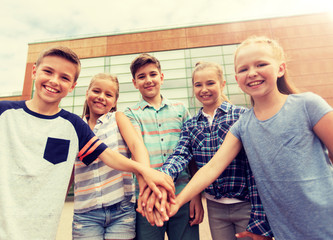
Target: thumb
x,y
242,234
191,210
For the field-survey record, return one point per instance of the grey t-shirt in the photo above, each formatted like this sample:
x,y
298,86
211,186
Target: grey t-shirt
x,y
293,173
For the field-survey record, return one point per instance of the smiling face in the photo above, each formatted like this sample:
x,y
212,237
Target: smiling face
x,y
257,69
148,79
54,79
208,88
101,96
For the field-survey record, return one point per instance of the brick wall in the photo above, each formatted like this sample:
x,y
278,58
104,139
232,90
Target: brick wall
x,y
307,40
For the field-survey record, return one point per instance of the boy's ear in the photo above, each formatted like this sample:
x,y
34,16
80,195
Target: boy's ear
x,y
134,83
33,73
162,78
72,87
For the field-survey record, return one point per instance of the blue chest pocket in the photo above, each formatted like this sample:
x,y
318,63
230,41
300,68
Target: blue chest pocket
x,y
56,150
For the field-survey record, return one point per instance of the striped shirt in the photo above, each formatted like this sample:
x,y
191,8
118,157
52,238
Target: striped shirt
x,y
201,141
98,185
160,129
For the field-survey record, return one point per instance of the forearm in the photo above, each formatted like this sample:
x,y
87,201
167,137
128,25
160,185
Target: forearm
x,y
140,154
117,161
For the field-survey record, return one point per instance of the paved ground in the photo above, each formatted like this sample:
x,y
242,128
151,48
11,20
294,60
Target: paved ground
x,y
65,226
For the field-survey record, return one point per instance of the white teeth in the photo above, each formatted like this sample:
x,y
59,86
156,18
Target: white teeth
x,y
255,83
50,89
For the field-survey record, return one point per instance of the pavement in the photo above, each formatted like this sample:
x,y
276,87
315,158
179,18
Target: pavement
x,y
65,225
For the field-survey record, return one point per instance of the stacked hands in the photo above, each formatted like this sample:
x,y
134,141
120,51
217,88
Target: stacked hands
x,y
160,203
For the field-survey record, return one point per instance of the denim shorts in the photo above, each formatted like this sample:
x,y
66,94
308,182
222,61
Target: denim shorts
x,y
114,222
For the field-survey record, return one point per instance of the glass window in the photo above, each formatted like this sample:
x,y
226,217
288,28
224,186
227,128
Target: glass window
x,y
177,67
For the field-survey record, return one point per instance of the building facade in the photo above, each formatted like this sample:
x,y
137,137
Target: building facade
x,y
307,40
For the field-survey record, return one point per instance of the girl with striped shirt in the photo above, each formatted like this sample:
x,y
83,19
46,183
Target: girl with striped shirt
x,y
104,197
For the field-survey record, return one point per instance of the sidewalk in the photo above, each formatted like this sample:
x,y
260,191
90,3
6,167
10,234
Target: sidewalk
x,y
65,225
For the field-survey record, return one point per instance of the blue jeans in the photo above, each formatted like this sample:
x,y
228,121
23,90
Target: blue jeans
x,y
114,222
177,228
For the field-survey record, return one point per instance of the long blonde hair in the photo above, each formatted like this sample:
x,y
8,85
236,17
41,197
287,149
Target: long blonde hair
x,y
284,85
219,72
101,76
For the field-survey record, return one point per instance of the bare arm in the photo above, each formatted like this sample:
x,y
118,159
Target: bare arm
x,y
207,174
152,177
324,130
133,139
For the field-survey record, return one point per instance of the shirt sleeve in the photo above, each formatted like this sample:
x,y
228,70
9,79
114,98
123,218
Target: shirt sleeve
x,y
90,147
128,112
180,157
258,223
316,107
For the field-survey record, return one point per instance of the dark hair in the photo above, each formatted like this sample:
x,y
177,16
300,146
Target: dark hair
x,y
142,60
285,86
63,52
101,76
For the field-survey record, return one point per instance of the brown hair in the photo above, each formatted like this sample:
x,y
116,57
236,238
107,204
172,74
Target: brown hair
x,y
101,76
63,52
142,60
285,86
218,70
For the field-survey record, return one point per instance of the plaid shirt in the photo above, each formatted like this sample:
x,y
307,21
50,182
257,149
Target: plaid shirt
x,y
201,141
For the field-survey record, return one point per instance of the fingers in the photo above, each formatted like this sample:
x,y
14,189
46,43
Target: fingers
x,y
252,236
169,185
173,209
144,198
158,219
242,234
164,215
139,208
163,200
155,189
151,202
142,184
150,217
196,210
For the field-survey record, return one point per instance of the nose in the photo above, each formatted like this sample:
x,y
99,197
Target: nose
x,y
101,96
252,72
148,79
54,80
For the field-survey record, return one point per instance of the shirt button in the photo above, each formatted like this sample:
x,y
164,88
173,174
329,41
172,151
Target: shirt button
x,y
162,139
159,125
164,154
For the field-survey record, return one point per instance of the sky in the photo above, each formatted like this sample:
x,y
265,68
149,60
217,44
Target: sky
x,y
23,22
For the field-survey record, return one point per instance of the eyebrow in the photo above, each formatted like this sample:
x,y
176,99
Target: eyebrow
x,y
142,74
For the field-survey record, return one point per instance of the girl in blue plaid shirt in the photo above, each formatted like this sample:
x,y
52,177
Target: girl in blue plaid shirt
x,y
229,197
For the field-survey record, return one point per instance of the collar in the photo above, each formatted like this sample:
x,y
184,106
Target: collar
x,y
144,104
224,107
100,119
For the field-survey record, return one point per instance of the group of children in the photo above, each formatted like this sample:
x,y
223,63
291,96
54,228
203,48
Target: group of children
x,y
278,150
